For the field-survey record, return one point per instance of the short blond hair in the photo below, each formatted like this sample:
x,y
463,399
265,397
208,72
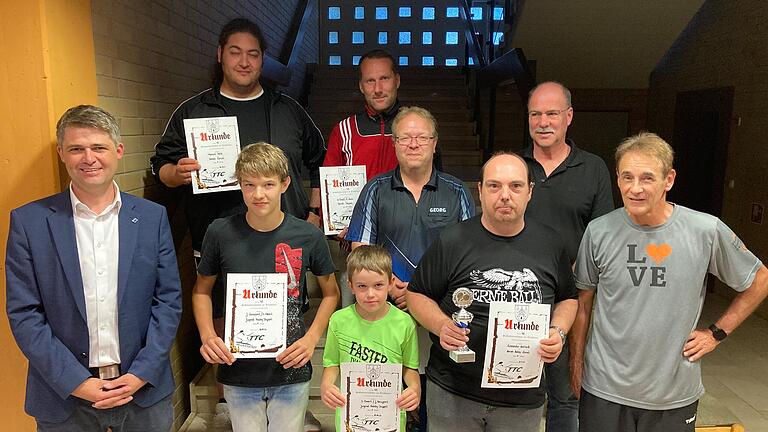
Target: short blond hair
x,y
261,160
369,257
416,110
649,144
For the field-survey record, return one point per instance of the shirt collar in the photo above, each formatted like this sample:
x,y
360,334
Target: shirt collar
x,y
78,206
397,180
574,157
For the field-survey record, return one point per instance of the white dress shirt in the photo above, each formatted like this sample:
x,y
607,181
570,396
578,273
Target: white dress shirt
x,y
98,248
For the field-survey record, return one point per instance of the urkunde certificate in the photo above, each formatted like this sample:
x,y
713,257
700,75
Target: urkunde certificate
x,y
215,143
371,390
255,322
514,332
340,186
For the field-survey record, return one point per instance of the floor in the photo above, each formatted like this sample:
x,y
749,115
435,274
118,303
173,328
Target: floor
x,y
735,376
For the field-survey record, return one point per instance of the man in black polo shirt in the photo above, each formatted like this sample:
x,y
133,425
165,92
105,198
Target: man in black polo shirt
x,y
405,209
572,187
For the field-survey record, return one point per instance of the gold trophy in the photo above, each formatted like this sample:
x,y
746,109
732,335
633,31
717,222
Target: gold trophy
x,y
462,298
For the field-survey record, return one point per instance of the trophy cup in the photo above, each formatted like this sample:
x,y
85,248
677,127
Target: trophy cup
x,y
462,298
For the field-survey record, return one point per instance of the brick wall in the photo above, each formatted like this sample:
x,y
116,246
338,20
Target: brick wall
x,y
150,56
724,45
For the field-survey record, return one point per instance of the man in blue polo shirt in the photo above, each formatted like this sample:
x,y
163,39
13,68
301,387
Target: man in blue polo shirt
x,y
405,209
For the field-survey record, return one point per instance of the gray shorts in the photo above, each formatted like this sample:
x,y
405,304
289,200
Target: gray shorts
x,y
598,415
450,412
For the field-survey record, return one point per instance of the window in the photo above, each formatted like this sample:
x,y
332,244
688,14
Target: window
x,y
451,38
356,60
333,37
428,13
426,38
404,38
358,38
428,61
334,60
404,12
381,13
359,12
498,13
452,12
382,38
451,62
334,12
477,13
498,37
471,61
402,60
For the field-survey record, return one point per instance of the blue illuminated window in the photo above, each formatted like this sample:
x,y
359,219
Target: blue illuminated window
x,y
426,38
334,60
356,60
381,13
358,37
471,61
404,38
451,38
333,37
428,61
498,13
359,12
498,37
451,62
428,13
334,12
452,12
382,38
477,13
402,60
404,12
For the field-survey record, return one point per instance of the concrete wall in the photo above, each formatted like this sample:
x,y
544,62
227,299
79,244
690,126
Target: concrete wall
x,y
724,45
150,56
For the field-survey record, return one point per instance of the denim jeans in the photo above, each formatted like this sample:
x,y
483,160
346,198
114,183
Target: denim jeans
x,y
451,412
562,405
126,418
267,409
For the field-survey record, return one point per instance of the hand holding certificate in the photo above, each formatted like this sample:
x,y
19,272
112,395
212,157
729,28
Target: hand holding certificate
x,y
215,143
371,391
339,187
514,332
255,323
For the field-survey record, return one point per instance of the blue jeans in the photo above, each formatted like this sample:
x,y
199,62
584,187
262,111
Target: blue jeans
x,y
126,418
562,405
267,409
451,412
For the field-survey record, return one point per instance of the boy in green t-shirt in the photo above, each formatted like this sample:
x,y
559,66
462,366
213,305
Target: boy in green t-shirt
x,y
371,331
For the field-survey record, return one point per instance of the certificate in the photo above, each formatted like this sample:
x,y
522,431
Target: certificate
x,y
514,332
255,322
371,390
215,143
340,186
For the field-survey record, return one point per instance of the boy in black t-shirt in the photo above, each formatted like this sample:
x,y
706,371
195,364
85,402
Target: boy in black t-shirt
x,y
265,394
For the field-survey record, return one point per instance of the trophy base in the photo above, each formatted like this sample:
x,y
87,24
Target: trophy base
x,y
463,356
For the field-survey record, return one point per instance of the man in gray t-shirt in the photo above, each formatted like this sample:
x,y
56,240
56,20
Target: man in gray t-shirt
x,y
644,266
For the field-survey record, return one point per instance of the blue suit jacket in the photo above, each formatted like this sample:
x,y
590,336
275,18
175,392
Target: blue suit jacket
x,y
46,303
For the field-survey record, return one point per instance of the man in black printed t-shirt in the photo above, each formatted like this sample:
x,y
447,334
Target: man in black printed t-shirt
x,y
500,257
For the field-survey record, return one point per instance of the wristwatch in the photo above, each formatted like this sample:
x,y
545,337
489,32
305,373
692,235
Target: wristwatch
x,y
718,333
561,332
315,210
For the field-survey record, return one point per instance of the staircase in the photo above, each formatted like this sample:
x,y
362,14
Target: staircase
x,y
334,95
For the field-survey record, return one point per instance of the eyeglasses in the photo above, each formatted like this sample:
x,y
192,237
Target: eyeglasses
x,y
552,114
420,140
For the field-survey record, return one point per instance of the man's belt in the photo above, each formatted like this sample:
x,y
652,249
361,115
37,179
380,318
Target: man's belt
x,y
106,372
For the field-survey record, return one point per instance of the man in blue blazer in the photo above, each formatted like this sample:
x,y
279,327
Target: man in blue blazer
x,y
93,292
